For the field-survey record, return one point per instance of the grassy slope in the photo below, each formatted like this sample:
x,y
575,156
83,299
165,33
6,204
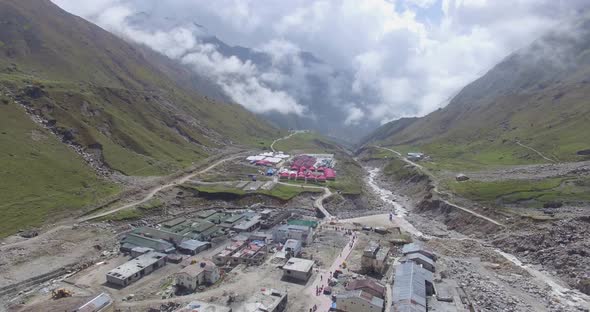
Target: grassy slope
x,y
283,192
42,179
349,171
104,93
530,97
145,120
528,193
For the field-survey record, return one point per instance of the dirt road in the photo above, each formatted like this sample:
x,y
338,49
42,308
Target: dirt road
x,y
160,188
326,301
319,202
437,191
283,138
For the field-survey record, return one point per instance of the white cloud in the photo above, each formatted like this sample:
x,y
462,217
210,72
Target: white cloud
x,y
355,115
407,57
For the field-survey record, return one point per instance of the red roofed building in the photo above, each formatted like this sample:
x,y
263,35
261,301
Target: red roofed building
x,y
330,174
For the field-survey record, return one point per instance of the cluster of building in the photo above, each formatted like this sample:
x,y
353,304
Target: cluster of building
x,y
413,281
374,259
267,159
249,252
361,295
150,248
310,168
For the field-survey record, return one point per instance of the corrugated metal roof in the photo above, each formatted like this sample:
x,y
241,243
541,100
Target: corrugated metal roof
x,y
192,244
419,256
408,307
134,240
96,304
364,284
415,247
374,300
410,283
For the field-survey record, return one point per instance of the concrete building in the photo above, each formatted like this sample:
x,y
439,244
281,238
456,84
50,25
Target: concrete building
x,y
203,306
100,303
298,269
224,256
292,248
268,300
421,260
412,285
136,268
193,247
132,240
194,275
374,258
417,248
374,288
358,301
302,233
260,236
247,225
138,251
252,253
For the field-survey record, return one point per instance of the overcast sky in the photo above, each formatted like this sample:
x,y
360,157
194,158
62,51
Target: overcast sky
x,y
412,55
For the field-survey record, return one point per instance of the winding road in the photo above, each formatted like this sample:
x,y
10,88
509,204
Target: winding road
x,y
160,188
436,189
284,138
319,202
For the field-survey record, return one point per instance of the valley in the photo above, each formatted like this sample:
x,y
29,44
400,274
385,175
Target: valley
x,y
131,181
471,243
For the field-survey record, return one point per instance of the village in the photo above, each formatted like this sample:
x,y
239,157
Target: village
x,y
262,260
257,258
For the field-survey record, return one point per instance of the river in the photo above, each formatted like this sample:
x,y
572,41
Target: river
x,y
572,297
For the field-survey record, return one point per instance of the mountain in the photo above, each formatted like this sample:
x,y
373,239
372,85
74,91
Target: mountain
x,y
537,97
311,82
76,100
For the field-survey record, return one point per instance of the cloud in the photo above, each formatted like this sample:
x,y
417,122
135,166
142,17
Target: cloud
x,y
241,80
405,57
355,115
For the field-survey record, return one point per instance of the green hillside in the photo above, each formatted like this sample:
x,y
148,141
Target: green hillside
x,y
103,95
537,97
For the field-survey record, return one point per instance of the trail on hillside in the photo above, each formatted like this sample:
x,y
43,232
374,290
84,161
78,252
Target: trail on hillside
x,y
283,138
536,151
437,191
571,297
319,202
160,188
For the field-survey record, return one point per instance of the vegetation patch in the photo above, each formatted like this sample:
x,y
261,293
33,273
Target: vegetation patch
x,y
530,193
280,191
41,180
123,215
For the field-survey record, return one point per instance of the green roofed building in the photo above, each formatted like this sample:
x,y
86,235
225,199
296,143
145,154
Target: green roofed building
x,y
173,223
310,223
217,218
206,214
132,240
